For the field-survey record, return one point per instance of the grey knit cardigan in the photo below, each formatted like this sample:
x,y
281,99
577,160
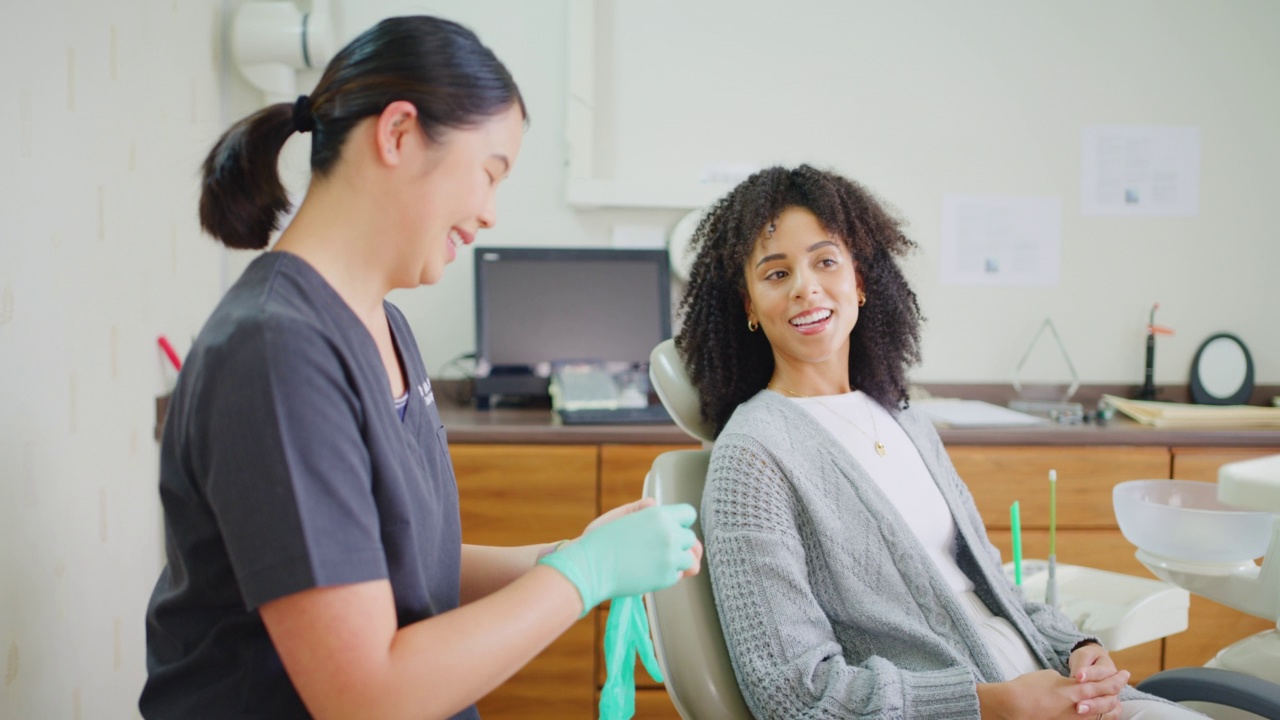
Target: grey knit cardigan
x,y
830,605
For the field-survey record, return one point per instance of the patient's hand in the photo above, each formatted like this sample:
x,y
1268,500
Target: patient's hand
x,y
1091,662
1047,694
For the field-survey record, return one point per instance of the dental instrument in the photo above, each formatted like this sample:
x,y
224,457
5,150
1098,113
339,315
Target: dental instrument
x,y
1015,524
1051,587
1148,390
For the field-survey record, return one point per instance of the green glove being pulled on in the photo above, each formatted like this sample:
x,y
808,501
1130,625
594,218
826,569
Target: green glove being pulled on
x,y
626,634
635,554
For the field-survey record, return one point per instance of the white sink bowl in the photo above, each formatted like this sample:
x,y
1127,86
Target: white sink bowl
x,y
1184,520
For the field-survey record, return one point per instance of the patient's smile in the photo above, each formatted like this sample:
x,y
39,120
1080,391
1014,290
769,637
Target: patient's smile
x,y
812,321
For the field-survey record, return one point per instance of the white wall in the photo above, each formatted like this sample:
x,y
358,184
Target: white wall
x,y
106,109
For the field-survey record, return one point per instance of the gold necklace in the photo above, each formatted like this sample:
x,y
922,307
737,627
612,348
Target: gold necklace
x,y
880,450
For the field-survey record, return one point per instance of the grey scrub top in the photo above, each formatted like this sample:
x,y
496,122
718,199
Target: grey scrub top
x,y
285,466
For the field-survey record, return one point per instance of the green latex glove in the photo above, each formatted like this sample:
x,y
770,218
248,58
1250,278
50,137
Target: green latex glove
x,y
626,634
635,554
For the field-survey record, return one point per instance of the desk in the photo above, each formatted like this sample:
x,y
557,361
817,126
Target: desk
x,y
561,476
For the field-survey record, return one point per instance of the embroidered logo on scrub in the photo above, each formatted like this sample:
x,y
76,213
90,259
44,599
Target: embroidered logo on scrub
x,y
428,395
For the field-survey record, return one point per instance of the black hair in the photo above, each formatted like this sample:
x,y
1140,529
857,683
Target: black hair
x,y
727,362
440,66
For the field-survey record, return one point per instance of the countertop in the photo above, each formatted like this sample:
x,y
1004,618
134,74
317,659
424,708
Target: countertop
x,y
540,426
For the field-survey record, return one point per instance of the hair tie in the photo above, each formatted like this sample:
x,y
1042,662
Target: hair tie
x,y
303,120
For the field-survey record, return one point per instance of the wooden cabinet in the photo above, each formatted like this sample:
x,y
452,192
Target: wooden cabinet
x,y
623,468
522,494
1212,626
519,495
1200,463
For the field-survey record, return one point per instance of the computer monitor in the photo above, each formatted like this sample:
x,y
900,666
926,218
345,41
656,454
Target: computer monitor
x,y
537,307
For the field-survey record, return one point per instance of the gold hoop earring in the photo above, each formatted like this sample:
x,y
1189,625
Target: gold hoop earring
x,y
752,325
862,298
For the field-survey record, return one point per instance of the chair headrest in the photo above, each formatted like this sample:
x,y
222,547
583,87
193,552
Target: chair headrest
x,y
667,373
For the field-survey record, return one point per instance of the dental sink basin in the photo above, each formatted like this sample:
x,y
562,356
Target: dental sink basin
x,y
1184,520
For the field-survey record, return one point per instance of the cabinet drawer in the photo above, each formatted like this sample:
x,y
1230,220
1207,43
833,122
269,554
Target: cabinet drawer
x,y
1203,463
555,686
623,468
519,495
999,475
524,494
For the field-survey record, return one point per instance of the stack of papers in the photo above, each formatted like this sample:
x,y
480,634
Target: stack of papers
x,y
973,413
1179,415
583,387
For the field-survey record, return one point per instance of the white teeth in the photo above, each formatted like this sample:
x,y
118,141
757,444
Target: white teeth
x,y
811,317
455,238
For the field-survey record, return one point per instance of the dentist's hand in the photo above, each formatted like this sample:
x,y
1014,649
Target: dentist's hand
x,y
635,506
638,552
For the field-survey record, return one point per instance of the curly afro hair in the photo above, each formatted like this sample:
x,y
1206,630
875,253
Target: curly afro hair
x,y
727,363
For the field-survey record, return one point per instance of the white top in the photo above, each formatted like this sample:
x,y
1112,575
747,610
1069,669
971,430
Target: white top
x,y
900,474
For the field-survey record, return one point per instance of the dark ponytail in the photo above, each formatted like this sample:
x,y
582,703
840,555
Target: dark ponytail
x,y
441,67
242,197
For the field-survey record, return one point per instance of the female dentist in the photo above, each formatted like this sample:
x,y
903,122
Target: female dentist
x,y
314,557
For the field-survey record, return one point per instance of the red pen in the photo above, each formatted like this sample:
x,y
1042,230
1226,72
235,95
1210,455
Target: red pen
x,y
169,351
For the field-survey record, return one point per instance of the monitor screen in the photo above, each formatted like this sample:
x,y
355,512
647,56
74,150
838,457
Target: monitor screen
x,y
540,306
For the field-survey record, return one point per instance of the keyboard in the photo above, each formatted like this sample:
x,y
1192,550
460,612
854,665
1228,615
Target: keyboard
x,y
649,415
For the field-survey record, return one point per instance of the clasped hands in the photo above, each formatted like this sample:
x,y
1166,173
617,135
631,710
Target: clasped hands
x,y
1091,692
1091,666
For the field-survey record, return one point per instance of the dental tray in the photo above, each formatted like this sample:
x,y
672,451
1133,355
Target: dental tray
x,y
1120,610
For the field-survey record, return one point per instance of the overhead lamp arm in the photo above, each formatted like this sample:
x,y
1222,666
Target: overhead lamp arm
x,y
271,41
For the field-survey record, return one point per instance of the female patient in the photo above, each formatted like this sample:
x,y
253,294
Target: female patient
x,y
851,570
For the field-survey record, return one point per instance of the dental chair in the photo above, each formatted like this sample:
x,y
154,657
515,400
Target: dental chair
x,y
686,631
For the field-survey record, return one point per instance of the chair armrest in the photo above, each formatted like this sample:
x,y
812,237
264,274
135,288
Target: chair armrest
x,y
1224,687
